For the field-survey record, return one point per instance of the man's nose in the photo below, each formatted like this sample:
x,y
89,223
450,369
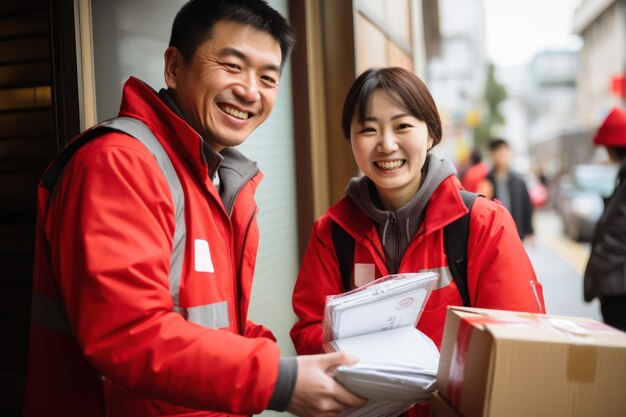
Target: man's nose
x,y
248,89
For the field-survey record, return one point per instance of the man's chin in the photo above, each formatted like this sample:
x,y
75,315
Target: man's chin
x,y
230,143
220,143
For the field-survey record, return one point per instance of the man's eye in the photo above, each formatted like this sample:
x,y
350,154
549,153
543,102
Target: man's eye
x,y
232,66
269,79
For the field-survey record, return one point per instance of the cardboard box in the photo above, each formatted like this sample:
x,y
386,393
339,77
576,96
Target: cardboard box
x,y
501,363
440,407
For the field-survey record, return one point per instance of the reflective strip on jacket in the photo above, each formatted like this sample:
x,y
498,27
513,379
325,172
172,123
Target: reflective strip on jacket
x,y
108,337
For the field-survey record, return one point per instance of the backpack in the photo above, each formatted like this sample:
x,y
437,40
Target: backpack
x,y
455,237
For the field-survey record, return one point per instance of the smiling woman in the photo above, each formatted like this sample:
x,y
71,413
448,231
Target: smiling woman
x,y
391,121
390,148
392,219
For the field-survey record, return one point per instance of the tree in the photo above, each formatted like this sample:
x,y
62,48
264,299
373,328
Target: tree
x,y
494,94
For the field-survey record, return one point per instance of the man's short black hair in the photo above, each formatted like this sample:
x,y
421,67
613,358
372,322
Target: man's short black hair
x,y
497,143
194,23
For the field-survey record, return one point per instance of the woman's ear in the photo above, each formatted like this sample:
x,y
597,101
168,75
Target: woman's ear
x,y
430,142
173,60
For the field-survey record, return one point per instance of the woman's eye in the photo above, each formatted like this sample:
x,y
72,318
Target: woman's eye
x,y
403,126
368,130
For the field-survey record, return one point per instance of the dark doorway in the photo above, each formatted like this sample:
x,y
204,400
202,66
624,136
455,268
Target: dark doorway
x,y
39,110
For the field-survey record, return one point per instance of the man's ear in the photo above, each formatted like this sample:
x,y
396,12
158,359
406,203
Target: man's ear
x,y
173,60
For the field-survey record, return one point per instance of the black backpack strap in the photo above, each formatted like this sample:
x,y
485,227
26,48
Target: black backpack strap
x,y
52,175
455,236
344,249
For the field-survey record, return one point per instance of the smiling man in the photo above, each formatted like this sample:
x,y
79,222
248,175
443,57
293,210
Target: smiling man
x,y
147,241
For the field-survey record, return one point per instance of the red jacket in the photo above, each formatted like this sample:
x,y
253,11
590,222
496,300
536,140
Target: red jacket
x,y
500,274
102,260
474,176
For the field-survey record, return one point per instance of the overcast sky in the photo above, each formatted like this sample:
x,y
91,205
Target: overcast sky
x,y
518,29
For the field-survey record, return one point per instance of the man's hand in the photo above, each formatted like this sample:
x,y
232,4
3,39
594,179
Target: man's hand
x,y
316,392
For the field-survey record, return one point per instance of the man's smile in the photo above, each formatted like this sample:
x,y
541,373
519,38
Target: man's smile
x,y
237,113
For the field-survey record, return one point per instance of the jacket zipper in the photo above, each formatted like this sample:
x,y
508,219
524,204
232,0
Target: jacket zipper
x,y
394,223
234,274
534,287
239,277
374,249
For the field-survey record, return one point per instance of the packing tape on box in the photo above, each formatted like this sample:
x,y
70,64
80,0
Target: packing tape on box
x,y
582,354
582,361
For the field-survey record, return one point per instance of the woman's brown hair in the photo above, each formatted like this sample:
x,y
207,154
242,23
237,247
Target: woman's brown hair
x,y
402,86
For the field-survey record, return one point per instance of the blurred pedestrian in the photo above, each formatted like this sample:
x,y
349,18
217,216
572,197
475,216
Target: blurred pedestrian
x,y
507,186
605,276
475,175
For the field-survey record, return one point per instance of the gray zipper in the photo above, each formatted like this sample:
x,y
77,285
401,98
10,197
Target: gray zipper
x,y
534,287
394,223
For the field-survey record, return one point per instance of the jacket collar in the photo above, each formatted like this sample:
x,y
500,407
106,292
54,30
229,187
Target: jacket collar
x,y
444,207
143,103
212,158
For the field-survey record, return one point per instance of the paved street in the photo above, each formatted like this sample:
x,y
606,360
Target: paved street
x,y
560,263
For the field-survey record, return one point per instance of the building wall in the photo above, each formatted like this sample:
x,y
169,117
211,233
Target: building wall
x,y
515,110
129,38
552,112
603,55
383,34
456,77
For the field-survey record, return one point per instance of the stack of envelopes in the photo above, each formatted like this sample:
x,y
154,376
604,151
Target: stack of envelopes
x,y
376,323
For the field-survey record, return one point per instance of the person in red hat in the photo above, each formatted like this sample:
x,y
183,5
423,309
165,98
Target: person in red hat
x,y
605,275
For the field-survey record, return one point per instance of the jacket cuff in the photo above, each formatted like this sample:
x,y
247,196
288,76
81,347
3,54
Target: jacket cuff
x,y
285,384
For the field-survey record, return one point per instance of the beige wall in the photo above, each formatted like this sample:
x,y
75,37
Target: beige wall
x,y
384,34
602,56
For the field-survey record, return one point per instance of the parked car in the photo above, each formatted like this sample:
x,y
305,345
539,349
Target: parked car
x,y
580,198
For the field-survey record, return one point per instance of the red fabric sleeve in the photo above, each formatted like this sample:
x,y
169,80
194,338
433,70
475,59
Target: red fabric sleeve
x,y
500,274
258,330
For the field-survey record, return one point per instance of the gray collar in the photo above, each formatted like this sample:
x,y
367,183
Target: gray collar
x,y
210,157
232,168
235,172
405,221
410,216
